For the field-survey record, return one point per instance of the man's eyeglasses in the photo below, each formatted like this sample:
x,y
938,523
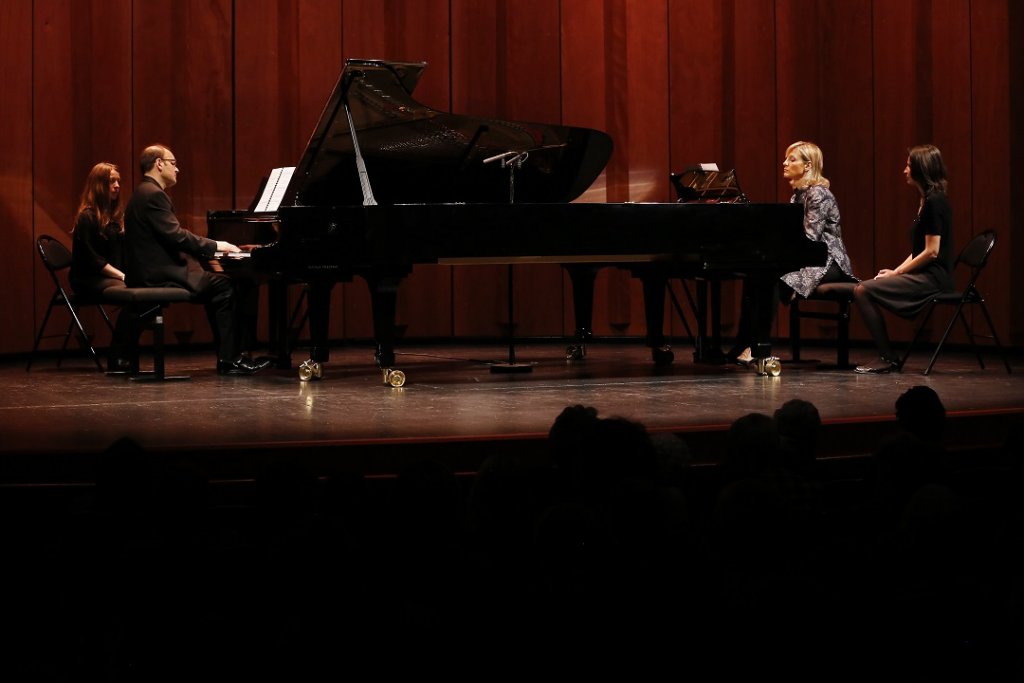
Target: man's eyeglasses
x,y
172,162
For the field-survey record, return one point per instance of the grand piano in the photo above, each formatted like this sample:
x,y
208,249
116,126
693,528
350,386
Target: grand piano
x,y
386,183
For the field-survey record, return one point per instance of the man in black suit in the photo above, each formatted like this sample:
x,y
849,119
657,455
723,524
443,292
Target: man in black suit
x,y
161,253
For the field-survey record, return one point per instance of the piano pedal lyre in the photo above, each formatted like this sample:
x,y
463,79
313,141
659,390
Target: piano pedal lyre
x,y
578,351
765,363
393,378
769,367
662,355
310,369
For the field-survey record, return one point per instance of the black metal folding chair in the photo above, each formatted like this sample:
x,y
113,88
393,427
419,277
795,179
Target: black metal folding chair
x,y
57,259
974,257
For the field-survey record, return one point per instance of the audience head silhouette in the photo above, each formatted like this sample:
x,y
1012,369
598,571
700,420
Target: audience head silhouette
x,y
752,446
798,424
920,412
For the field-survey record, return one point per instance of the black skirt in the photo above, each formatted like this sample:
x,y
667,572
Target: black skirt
x,y
907,295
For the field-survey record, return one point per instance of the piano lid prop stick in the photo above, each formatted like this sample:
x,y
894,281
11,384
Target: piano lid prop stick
x,y
364,179
480,130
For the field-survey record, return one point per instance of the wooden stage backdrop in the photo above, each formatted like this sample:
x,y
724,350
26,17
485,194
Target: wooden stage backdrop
x,y
236,87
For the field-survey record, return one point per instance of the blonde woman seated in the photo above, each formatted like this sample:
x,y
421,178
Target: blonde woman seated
x,y
802,168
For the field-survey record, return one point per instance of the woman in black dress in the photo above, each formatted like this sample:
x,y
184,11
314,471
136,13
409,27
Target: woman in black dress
x,y
97,251
927,271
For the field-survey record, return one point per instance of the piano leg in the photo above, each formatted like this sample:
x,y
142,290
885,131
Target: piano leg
x,y
654,284
384,298
279,342
319,318
582,278
709,346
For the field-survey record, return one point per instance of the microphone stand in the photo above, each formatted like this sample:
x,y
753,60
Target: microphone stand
x,y
512,161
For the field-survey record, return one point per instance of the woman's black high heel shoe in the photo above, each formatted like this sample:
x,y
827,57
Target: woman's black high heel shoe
x,y
883,367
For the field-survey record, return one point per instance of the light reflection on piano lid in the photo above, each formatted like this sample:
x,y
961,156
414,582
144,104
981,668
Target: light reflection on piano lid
x,y
416,154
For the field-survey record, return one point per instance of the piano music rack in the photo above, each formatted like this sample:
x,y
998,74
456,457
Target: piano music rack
x,y
700,185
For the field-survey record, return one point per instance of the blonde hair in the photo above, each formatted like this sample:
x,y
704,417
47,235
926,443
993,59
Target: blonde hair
x,y
810,154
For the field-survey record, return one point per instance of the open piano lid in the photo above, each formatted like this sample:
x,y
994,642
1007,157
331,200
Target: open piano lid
x,y
415,154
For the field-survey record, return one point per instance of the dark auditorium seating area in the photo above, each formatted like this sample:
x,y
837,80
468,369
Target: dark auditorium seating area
x,y
904,561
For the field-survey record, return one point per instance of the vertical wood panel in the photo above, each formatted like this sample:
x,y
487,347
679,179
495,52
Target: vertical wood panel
x,y
643,99
697,88
896,107
923,91
405,31
753,77
82,110
615,78
182,97
586,58
995,106
900,109
824,94
1010,223
583,97
287,60
845,121
723,98
533,93
504,65
949,87
697,98
751,127
27,292
479,87
645,95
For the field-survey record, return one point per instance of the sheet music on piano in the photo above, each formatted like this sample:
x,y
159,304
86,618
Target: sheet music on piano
x,y
705,182
274,190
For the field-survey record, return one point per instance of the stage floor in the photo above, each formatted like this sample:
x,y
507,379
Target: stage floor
x,y
48,416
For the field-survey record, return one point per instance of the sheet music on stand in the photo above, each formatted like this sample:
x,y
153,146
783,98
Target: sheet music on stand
x,y
273,192
706,183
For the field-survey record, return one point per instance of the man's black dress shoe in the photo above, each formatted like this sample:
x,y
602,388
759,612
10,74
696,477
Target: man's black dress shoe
x,y
881,368
239,366
259,362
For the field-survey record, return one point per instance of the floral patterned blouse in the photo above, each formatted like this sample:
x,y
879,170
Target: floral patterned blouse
x,y
821,223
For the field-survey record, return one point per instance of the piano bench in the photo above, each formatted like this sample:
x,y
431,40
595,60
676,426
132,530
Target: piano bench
x,y
147,305
838,293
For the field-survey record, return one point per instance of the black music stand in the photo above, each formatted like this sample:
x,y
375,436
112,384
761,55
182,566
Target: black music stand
x,y
511,161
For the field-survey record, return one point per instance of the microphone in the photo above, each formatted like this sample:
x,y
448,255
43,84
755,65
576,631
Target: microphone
x,y
503,155
525,152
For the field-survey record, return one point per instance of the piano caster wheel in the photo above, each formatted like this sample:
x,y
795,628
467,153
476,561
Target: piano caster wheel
x,y
770,366
310,369
575,352
662,355
393,378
